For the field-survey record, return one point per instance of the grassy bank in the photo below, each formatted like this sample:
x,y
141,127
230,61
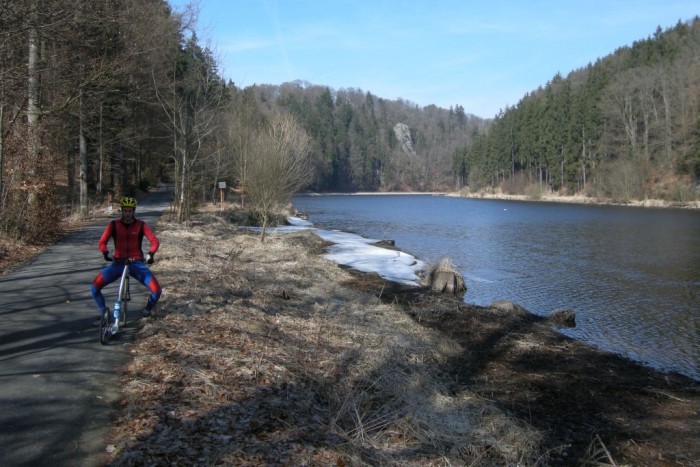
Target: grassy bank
x,y
543,196
267,354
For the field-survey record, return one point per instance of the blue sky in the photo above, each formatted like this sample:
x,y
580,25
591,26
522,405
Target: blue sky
x,y
483,55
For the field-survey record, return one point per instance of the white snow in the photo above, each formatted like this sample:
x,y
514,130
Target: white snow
x,y
298,221
356,252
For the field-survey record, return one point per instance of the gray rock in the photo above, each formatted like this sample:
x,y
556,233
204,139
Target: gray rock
x,y
403,134
563,318
508,306
446,278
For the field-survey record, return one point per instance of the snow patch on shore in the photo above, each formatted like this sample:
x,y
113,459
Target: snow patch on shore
x,y
358,253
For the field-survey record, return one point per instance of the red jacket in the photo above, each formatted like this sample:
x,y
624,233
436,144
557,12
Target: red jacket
x,y
128,239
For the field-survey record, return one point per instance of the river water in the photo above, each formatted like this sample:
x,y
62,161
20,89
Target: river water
x,y
632,275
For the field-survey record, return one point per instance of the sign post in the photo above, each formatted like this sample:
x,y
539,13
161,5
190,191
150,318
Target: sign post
x,y
222,187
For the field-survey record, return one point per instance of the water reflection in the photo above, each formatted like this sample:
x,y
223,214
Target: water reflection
x,y
632,275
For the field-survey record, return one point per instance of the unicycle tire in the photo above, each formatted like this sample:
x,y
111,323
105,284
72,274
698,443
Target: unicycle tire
x,y
105,329
122,314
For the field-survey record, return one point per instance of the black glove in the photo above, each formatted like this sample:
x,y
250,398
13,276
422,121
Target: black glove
x,y
106,255
149,258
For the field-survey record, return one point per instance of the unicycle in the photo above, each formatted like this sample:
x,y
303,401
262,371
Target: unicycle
x,y
120,309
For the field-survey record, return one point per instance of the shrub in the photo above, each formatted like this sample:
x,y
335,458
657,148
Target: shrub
x,y
533,191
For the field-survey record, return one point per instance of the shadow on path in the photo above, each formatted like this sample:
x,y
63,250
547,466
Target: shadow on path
x,y
58,385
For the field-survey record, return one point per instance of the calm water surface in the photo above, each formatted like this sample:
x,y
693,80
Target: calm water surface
x,y
631,274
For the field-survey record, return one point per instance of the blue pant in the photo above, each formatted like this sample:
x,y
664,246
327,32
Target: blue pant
x,y
137,270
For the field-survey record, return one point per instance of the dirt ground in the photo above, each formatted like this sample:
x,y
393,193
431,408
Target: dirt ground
x,y
268,354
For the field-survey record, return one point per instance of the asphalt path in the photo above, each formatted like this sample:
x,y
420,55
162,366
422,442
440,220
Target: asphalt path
x,y
58,384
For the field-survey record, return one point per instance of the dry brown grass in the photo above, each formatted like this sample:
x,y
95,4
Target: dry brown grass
x,y
15,252
260,355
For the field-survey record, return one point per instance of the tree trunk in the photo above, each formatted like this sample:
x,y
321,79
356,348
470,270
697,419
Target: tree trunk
x,y
668,133
100,164
181,206
33,105
2,141
562,168
83,164
33,91
583,154
264,227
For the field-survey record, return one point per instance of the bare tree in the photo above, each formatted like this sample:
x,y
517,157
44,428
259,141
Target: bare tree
x,y
193,105
280,166
244,122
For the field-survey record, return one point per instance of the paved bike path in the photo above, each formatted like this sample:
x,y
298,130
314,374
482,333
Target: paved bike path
x,y
58,384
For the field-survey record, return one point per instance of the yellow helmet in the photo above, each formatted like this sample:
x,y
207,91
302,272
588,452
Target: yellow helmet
x,y
127,202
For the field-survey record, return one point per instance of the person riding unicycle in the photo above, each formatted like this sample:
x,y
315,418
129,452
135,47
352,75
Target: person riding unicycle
x,y
127,233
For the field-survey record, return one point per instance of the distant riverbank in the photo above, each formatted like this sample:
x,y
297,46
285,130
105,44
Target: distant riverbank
x,y
580,199
548,198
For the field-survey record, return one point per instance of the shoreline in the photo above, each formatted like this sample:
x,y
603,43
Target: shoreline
x,y
419,286
575,199
648,203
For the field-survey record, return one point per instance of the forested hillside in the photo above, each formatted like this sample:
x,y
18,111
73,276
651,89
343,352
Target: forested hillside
x,y
626,127
98,99
362,142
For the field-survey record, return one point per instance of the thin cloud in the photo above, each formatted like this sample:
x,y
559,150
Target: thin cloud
x,y
247,45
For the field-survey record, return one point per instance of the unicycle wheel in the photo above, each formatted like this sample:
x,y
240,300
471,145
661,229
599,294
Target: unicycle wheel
x,y
105,329
122,314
